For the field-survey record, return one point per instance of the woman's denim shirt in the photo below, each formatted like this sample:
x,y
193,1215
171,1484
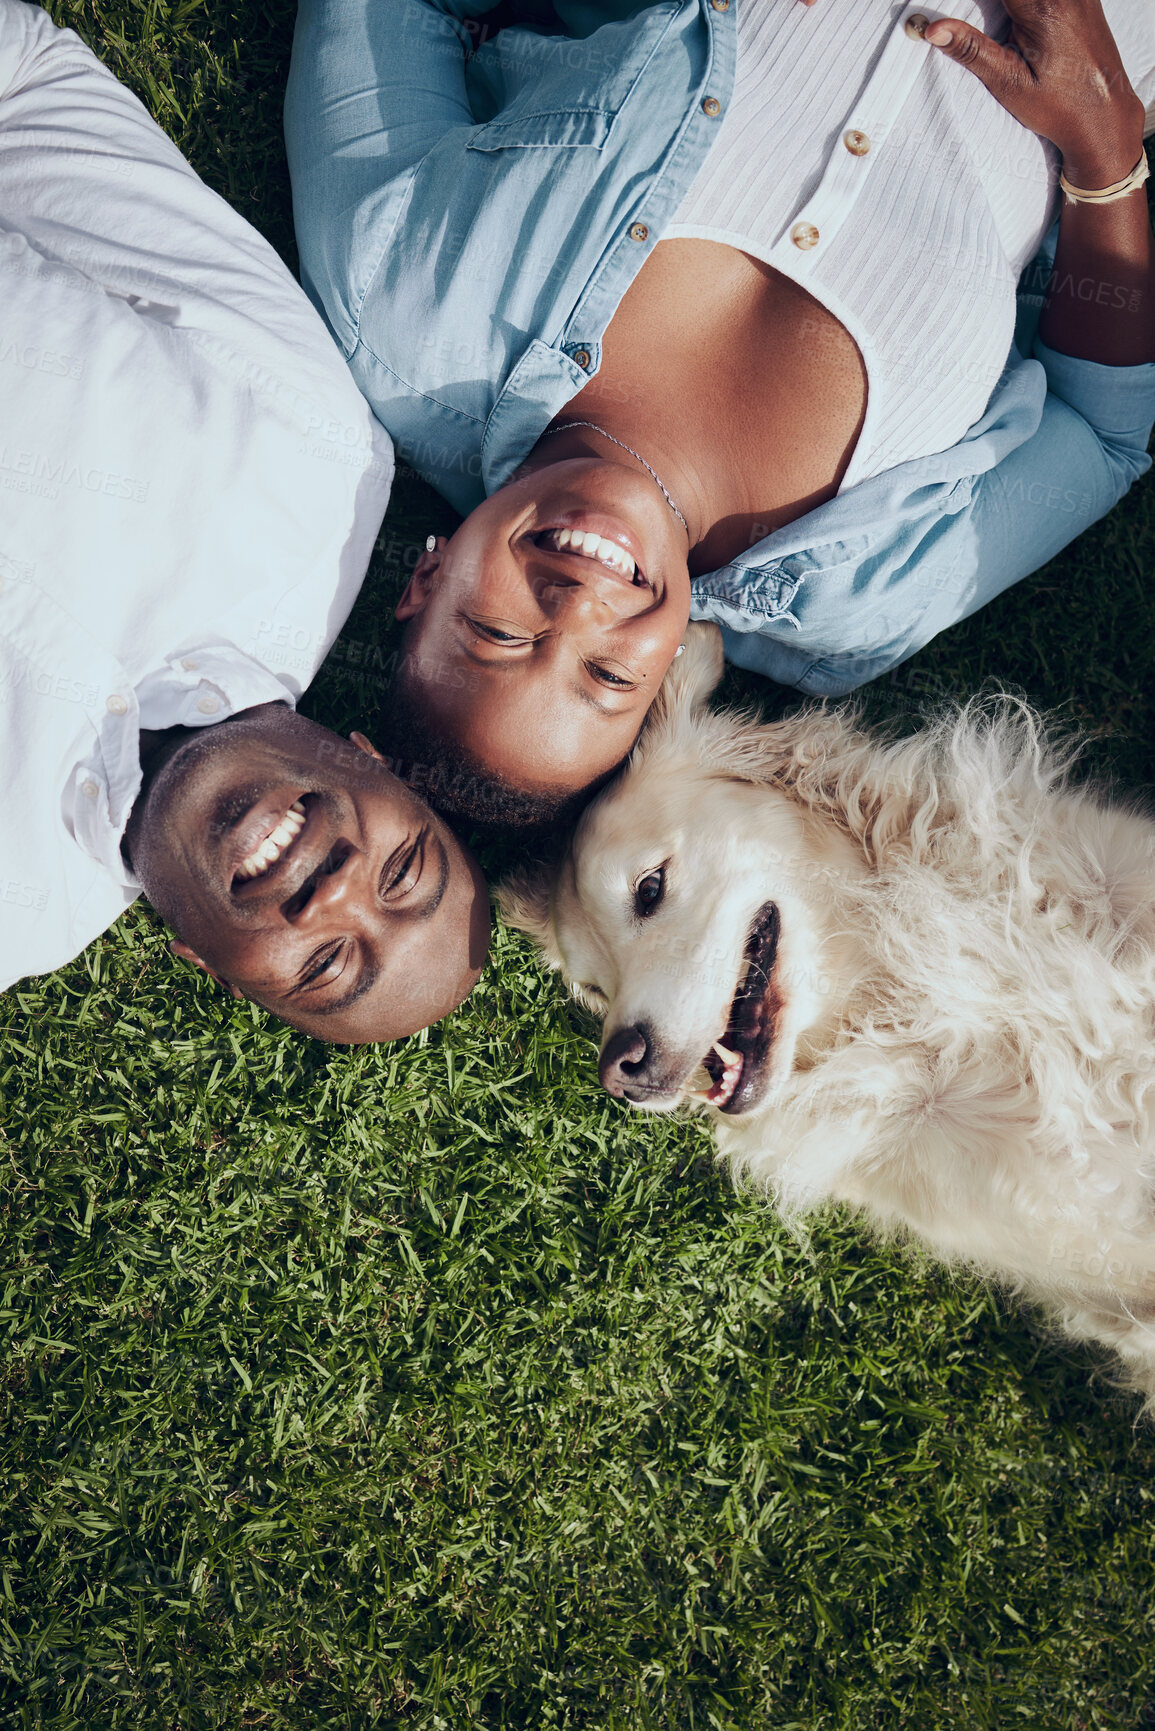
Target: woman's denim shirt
x,y
470,211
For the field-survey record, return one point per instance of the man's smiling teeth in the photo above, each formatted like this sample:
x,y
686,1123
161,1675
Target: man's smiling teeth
x,y
277,842
591,546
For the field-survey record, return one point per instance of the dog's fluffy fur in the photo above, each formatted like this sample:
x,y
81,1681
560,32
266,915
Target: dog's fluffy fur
x,y
959,1020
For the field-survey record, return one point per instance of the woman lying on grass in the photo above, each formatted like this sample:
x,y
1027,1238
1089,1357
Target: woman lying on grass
x,y
718,315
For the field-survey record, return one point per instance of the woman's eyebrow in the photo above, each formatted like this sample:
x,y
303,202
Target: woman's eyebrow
x,y
506,666
592,702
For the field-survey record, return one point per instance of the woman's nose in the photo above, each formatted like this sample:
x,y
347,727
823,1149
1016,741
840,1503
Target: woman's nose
x,y
561,596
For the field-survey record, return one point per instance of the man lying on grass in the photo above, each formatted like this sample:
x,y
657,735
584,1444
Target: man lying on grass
x,y
707,310
190,488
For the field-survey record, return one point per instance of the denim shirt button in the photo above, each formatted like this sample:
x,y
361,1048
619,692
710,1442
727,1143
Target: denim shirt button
x,y
581,358
711,106
639,231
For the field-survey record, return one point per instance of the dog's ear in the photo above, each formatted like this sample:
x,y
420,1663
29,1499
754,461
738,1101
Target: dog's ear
x,y
691,676
525,898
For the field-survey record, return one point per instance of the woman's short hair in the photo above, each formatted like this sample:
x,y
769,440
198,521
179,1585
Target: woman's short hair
x,y
454,782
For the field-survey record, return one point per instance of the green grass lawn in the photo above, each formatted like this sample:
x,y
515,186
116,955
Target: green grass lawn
x,y
422,1386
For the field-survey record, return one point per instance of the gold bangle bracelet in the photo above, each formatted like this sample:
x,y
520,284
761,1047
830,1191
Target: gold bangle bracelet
x,y
1107,194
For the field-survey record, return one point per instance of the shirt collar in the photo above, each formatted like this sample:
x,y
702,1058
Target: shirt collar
x,y
196,688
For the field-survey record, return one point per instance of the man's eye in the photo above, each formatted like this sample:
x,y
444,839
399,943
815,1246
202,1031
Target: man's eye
x,y
400,875
319,964
649,891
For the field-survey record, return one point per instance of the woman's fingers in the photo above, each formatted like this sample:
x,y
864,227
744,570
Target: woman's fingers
x,y
1004,72
1061,77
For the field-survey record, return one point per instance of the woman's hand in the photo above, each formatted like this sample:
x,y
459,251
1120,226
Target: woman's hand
x,y
1061,76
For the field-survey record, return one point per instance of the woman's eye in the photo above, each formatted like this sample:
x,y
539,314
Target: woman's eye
x,y
649,891
609,677
492,634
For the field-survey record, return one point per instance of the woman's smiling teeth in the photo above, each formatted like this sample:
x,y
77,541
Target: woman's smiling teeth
x,y
277,842
590,545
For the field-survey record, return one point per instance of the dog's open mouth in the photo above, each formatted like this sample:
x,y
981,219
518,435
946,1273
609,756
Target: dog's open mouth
x,y
735,1062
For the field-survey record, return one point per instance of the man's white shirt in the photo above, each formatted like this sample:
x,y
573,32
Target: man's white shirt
x,y
190,481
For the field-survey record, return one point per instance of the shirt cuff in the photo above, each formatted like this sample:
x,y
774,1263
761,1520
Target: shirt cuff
x,y
1117,401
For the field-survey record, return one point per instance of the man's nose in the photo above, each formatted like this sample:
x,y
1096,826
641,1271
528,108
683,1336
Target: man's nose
x,y
334,885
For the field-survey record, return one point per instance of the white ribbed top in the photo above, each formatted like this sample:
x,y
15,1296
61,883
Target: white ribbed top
x,y
922,234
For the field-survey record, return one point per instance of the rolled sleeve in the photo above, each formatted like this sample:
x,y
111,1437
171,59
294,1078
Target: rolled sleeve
x,y
1117,403
930,562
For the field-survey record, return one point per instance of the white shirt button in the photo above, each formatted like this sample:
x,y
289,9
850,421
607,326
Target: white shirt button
x,y
804,235
189,664
208,705
857,143
116,704
917,26
89,789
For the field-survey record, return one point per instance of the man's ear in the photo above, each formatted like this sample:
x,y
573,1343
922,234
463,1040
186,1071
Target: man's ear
x,y
691,676
416,594
367,746
187,954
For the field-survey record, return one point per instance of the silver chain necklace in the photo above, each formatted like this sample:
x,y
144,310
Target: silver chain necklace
x,y
567,426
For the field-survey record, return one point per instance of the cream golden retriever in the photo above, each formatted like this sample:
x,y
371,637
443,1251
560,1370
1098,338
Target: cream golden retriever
x,y
915,976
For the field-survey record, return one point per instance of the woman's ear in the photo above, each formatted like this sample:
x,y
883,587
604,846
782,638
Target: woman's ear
x,y
691,676
416,594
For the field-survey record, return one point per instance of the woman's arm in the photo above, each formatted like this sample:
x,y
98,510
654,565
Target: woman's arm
x,y
859,621
1063,78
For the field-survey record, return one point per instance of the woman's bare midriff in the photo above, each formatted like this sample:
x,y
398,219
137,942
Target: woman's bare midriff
x,y
760,390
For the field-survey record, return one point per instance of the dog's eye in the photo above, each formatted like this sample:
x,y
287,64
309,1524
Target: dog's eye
x,y
649,892
593,998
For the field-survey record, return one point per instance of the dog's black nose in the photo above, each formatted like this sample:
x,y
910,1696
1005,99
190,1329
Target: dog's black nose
x,y
623,1055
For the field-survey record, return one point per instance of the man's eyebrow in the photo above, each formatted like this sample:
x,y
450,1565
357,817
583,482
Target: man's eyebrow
x,y
442,884
334,1006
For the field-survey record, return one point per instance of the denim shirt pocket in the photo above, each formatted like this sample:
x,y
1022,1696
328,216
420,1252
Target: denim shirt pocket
x,y
530,91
